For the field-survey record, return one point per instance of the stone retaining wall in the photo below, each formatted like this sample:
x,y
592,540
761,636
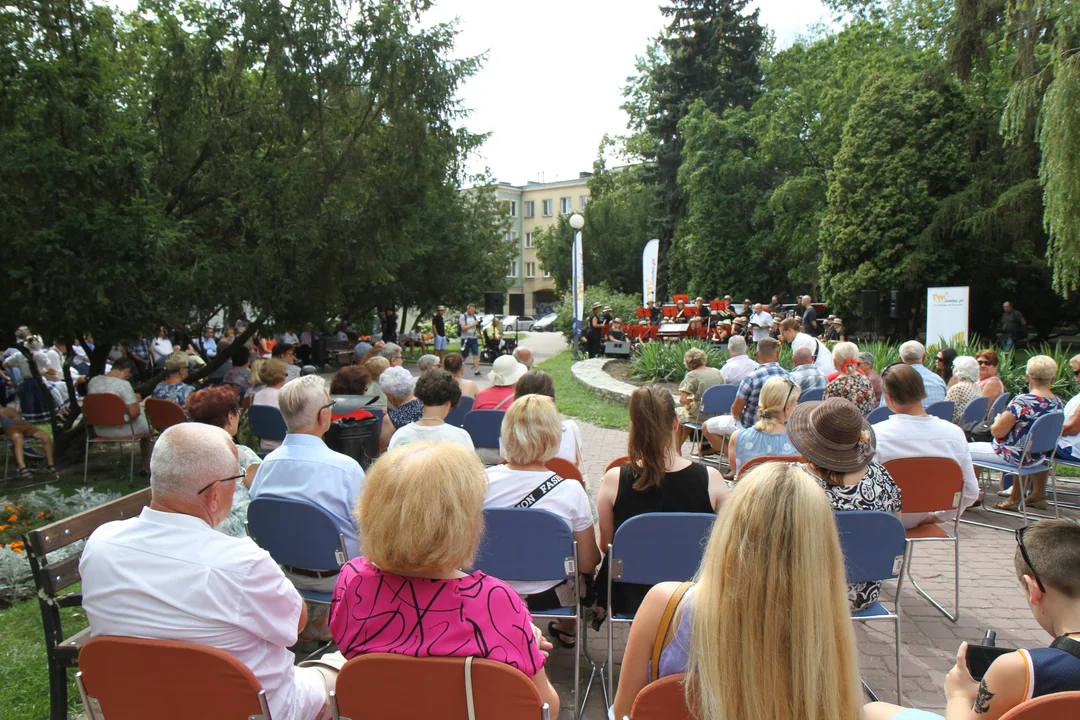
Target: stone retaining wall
x,y
590,373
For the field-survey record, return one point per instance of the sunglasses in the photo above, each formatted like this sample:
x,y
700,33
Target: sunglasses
x,y
1027,558
984,362
237,477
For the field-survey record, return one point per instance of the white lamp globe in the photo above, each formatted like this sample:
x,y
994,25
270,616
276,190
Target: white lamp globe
x,y
576,221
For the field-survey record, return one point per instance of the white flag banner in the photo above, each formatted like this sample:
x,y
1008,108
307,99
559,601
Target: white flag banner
x,y
579,285
946,315
648,271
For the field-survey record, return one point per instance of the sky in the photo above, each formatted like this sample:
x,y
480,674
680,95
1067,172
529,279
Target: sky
x,y
551,86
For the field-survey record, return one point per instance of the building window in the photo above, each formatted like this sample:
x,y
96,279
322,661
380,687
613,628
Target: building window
x,y
513,269
547,209
511,237
528,240
566,205
530,269
547,273
512,211
530,208
582,202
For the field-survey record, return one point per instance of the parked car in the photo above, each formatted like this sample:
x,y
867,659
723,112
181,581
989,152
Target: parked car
x,y
518,323
546,323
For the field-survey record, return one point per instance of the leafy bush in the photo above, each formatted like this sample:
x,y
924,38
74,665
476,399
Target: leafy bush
x,y
622,306
663,361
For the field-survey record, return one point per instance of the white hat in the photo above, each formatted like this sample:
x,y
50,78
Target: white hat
x,y
506,371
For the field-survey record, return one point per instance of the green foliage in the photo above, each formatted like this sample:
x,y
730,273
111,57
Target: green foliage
x,y
622,306
663,361
576,400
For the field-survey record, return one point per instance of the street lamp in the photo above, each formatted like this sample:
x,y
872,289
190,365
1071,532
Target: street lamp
x,y
577,282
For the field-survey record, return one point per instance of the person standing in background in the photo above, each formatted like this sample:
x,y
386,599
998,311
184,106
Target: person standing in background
x,y
438,329
467,323
1013,327
810,323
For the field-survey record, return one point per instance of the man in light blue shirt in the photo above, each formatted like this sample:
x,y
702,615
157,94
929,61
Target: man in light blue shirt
x,y
913,353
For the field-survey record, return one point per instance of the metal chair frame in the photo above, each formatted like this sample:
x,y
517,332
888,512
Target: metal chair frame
x,y
132,439
716,400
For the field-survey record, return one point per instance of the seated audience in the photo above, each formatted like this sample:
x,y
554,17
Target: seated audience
x,y
699,378
913,353
839,448
849,383
208,342
240,375
791,332
350,380
375,367
286,353
427,362
792,655
440,610
360,352
174,388
304,468
1069,443
1010,430
911,433
964,386
657,479
744,409
439,393
118,382
768,436
392,352
538,382
531,435
162,347
454,364
220,406
866,367
1047,561
524,356
943,365
273,374
989,382
167,575
740,364
804,372
505,371
17,431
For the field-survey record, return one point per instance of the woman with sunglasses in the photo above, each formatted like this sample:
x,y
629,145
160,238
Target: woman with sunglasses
x,y
943,365
989,382
768,436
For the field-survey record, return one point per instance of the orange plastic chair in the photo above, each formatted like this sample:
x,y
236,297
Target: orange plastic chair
x,y
662,700
565,469
754,462
383,685
124,678
618,462
1059,706
929,485
163,414
108,409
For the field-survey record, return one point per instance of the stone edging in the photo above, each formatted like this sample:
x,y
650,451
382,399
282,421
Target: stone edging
x,y
590,373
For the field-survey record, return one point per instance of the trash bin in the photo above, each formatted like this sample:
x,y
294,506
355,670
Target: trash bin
x,y
359,439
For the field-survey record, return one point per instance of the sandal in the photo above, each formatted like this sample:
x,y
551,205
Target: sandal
x,y
51,469
558,636
1007,505
22,473
1036,502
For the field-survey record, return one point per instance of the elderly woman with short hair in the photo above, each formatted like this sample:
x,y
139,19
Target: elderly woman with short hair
x,y
849,383
174,388
965,385
699,378
443,610
398,385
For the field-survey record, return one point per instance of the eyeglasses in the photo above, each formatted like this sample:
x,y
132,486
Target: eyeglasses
x,y
984,362
237,477
887,368
328,406
1027,558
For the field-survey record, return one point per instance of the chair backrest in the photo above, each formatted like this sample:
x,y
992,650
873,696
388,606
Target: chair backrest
x,y
1044,433
296,533
976,409
718,399
125,677
565,469
873,543
927,484
383,685
525,544
878,414
812,395
660,547
998,406
754,462
941,409
105,409
266,422
484,427
664,699
618,462
163,414
456,417
1058,706
245,404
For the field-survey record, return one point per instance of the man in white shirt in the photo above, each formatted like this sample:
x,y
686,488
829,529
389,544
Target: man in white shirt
x,y
761,322
911,433
168,575
289,337
791,333
1069,443
740,365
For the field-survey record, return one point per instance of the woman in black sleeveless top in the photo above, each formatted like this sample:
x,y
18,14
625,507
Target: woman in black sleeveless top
x,y
657,479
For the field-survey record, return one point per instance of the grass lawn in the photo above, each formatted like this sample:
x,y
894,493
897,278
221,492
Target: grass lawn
x,y
577,401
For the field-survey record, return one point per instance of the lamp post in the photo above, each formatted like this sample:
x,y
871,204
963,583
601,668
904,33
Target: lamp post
x,y
577,281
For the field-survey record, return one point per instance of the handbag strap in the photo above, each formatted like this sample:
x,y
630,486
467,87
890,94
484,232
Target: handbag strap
x,y
468,688
502,404
662,630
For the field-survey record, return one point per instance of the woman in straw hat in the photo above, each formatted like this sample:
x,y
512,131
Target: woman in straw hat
x,y
839,446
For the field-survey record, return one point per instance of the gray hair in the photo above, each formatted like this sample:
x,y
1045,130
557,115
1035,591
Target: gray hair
x,y
390,351
867,358
912,351
189,456
736,345
426,362
397,382
524,356
966,367
299,401
802,354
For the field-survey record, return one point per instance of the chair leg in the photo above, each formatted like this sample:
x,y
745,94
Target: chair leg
x,y
899,666
86,457
58,695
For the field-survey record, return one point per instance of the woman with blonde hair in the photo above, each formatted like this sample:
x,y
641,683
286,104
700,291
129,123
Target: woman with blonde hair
x,y
849,383
438,610
777,603
768,436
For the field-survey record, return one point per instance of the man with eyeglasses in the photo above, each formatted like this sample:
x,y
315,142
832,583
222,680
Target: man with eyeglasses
x,y
913,353
168,575
1069,443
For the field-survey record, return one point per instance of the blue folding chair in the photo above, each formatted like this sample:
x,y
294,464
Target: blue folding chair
x,y
975,410
533,545
484,427
1042,439
716,400
456,417
266,422
812,395
998,406
878,414
942,409
874,546
649,549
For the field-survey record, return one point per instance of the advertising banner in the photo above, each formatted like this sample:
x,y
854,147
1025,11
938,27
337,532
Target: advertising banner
x,y
648,271
946,315
579,287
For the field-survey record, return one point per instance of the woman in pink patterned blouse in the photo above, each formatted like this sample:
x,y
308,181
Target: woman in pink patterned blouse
x,y
407,595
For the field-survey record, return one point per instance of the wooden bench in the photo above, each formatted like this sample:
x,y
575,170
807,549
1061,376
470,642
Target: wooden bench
x,y
52,578
340,352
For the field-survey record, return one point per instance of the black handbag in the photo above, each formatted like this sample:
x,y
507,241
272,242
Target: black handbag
x,y
978,431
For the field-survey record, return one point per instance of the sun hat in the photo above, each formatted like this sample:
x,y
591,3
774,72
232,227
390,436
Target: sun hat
x,y
506,371
597,305
832,434
740,320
